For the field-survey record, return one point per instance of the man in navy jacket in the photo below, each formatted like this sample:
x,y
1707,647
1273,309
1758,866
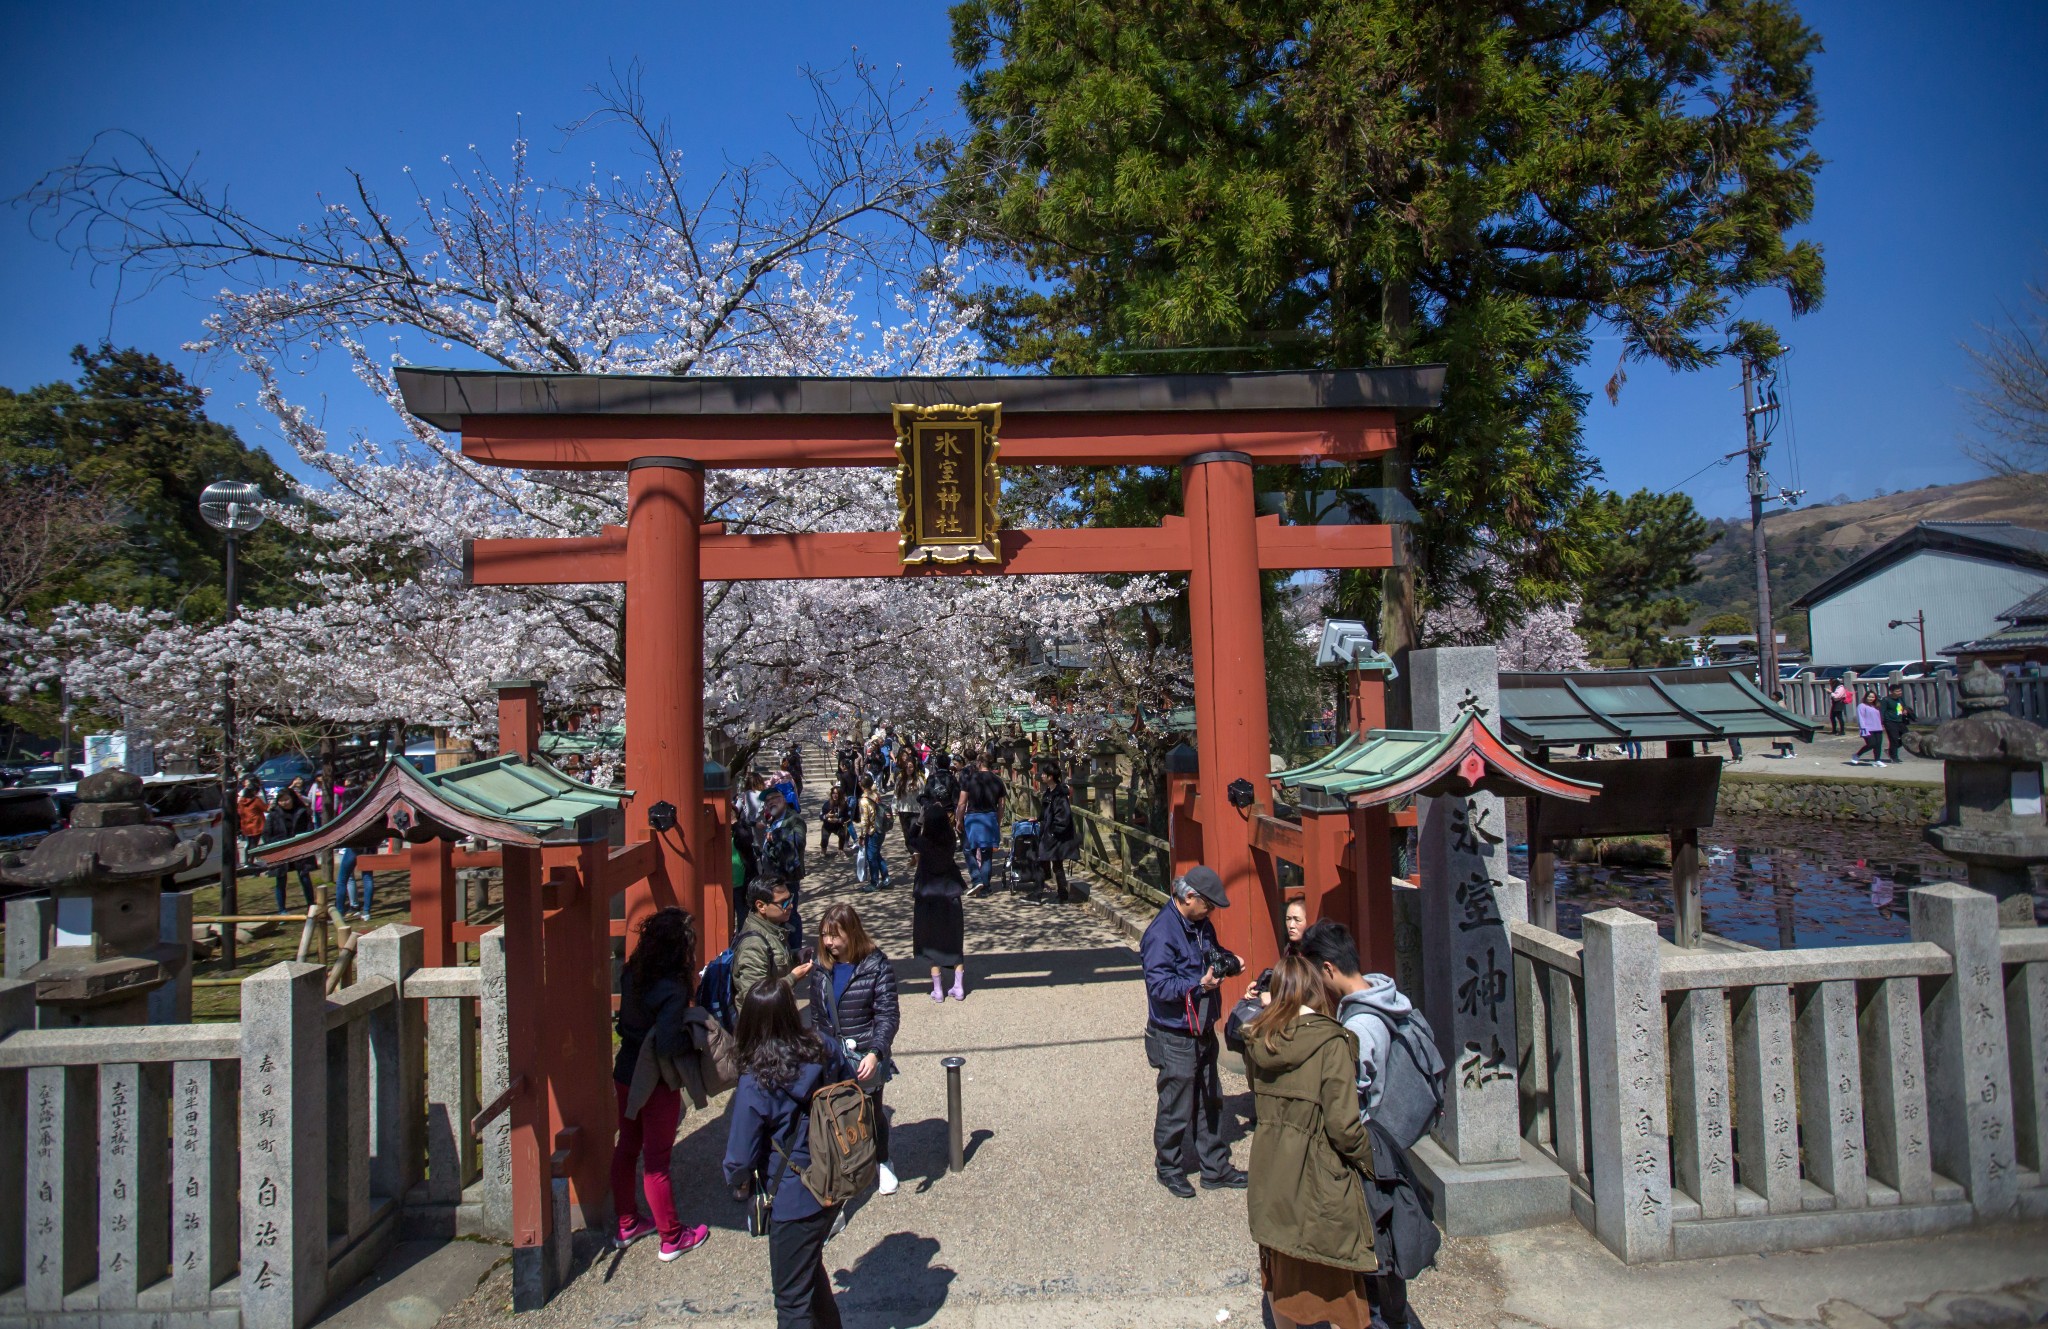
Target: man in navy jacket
x,y
1180,1035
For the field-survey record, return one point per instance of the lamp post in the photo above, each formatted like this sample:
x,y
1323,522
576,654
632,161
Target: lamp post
x,y
1919,620
234,508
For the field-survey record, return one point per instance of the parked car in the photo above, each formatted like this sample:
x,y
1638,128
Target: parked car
x,y
1908,669
274,773
1833,672
27,814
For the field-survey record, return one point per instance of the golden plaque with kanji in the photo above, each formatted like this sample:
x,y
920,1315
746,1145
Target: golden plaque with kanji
x,y
946,483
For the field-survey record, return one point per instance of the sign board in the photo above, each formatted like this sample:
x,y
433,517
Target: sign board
x,y
947,483
1643,797
123,751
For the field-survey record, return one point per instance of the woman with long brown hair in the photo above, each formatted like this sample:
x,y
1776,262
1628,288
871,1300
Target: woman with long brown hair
x,y
782,1064
853,1004
1307,1197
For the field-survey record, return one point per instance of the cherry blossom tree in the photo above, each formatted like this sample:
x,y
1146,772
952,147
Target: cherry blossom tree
x,y
815,267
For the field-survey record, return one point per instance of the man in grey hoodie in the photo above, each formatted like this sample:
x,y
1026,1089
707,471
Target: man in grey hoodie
x,y
1361,1000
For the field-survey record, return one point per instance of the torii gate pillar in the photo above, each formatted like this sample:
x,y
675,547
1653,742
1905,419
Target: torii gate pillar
x,y
1231,734
665,682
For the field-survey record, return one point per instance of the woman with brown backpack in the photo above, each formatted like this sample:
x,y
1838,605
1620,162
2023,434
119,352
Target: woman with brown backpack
x,y
782,1065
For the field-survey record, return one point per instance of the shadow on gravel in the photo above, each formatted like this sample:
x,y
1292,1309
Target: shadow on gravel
x,y
894,1284
1028,968
918,1150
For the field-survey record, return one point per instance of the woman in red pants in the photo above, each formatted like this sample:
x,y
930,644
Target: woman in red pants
x,y
654,993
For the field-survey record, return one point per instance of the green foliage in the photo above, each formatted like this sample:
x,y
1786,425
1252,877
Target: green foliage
x,y
1642,554
130,440
1245,184
1728,624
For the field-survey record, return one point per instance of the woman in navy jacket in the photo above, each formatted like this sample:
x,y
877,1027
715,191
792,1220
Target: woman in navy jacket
x,y
782,1063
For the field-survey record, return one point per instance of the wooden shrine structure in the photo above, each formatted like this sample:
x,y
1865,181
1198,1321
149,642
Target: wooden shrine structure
x,y
1673,795
565,859
664,433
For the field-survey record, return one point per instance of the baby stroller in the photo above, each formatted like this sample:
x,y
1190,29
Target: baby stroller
x,y
1024,871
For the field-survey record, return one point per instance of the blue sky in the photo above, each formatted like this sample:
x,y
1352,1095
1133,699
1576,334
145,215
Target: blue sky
x,y
1933,207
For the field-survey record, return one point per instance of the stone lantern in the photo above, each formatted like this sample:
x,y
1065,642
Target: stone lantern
x,y
105,876
1992,771
1103,775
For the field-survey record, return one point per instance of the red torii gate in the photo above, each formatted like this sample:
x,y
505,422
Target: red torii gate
x,y
663,432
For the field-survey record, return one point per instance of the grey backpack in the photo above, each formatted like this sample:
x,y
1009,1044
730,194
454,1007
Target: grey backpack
x,y
1412,1081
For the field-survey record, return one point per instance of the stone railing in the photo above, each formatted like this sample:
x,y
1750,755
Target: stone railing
x,y
243,1174
1708,1103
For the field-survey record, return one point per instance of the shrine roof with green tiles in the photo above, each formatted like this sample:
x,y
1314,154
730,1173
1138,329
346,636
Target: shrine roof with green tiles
x,y
1640,705
1386,764
505,799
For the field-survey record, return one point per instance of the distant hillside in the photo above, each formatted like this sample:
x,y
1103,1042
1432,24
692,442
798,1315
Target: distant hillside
x,y
1809,543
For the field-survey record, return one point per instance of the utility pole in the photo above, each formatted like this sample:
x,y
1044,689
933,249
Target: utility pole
x,y
1759,397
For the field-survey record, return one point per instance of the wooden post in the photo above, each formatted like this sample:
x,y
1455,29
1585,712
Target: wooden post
x,y
432,910
665,680
518,717
1542,869
1230,693
526,1069
1372,857
1686,927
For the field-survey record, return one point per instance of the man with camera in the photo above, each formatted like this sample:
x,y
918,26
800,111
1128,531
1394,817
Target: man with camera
x,y
1183,968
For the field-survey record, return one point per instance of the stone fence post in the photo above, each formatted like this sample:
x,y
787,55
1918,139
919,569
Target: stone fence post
x,y
284,1146
17,1011
495,1072
1969,1082
397,1062
1625,1079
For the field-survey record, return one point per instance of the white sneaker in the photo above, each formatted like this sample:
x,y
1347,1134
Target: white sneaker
x,y
886,1180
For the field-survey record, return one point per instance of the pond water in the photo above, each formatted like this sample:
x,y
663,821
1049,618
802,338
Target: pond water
x,y
1774,882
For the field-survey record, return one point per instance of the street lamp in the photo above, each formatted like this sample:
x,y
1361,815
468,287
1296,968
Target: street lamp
x,y
234,508
1919,620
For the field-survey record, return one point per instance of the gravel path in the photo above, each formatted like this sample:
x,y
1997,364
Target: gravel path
x,y
1055,1221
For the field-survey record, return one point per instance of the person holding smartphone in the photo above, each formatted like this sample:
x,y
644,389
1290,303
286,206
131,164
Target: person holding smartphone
x,y
853,1004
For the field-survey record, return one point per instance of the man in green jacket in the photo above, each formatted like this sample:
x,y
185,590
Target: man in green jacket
x,y
761,951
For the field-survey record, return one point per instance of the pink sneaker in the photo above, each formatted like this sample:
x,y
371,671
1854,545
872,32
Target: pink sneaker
x,y
692,1238
630,1232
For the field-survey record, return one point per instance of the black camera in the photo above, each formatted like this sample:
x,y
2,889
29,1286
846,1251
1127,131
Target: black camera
x,y
1222,963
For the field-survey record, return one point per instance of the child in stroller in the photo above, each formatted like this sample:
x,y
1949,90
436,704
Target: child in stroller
x,y
1024,869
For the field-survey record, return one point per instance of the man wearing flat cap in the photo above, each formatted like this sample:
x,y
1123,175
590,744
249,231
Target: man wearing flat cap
x,y
1180,1035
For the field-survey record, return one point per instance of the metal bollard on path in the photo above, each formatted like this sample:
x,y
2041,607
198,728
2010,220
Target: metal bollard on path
x,y
956,1136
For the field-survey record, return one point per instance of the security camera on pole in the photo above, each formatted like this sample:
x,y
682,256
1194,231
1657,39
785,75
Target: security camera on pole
x,y
233,508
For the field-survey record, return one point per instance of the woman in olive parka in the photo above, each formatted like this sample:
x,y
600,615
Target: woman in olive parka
x,y
1307,1194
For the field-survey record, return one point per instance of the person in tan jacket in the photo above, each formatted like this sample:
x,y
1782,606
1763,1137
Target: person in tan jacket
x,y
1307,1196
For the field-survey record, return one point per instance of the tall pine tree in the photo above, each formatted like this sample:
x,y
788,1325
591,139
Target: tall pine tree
x,y
1250,184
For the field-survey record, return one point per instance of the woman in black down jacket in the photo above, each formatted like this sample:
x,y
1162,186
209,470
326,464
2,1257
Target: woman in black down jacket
x,y
853,1004
288,818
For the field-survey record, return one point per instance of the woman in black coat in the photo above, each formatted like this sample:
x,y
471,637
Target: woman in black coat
x,y
1057,838
938,923
853,1004
289,816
